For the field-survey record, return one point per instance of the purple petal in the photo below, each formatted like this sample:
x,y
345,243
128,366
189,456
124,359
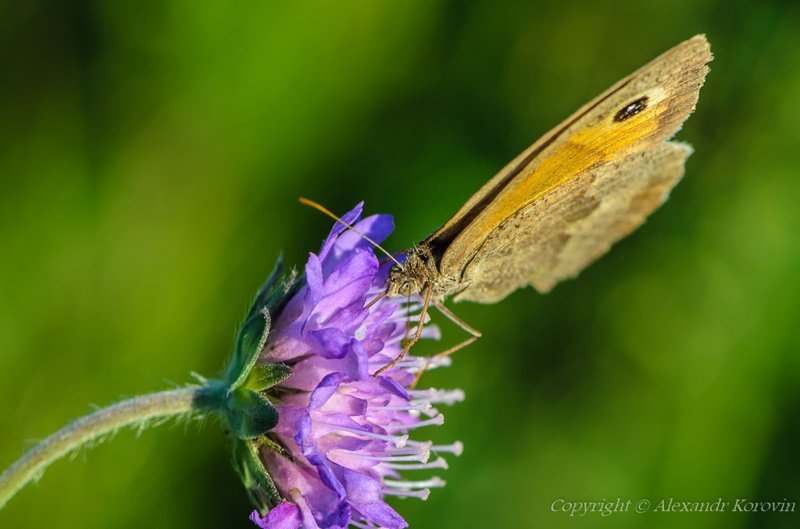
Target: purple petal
x,y
361,355
307,373
339,517
381,514
284,516
376,227
309,522
349,317
289,418
311,452
346,405
325,389
333,342
392,386
350,217
314,278
361,488
347,284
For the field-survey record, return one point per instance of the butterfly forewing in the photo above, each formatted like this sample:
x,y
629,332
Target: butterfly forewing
x,y
636,115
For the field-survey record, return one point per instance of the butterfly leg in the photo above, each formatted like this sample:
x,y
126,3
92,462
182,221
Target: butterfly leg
x,y
377,299
414,339
407,323
447,313
447,352
458,321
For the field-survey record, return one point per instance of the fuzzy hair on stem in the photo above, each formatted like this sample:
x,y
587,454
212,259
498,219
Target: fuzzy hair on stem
x,y
142,412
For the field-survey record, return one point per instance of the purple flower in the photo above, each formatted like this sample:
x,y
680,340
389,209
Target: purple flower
x,y
347,433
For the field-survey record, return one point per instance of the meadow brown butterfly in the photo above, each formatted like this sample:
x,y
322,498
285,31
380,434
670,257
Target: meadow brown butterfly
x,y
563,202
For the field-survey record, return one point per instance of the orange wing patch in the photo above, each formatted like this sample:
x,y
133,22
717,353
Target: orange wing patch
x,y
600,143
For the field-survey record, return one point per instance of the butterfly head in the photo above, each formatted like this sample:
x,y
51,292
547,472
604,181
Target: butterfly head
x,y
411,276
401,283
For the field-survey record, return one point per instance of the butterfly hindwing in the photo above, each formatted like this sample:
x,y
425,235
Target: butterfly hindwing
x,y
564,231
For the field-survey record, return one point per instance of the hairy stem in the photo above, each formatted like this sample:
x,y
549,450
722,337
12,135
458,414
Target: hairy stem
x,y
84,430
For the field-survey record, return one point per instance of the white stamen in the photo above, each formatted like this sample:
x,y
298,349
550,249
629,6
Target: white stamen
x,y
456,448
398,440
437,396
416,363
421,494
437,420
409,360
428,332
421,457
438,463
413,447
434,482
418,405
395,340
402,317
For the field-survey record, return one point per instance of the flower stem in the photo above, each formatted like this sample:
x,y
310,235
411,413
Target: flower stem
x,y
81,431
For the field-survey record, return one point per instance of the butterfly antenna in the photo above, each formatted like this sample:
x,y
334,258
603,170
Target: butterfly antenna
x,y
391,258
326,211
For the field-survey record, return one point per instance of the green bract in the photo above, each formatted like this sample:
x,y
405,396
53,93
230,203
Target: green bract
x,y
253,333
238,396
257,481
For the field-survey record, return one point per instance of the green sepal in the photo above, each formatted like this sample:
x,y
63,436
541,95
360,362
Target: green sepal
x,y
257,481
252,335
264,376
250,414
249,344
277,285
274,446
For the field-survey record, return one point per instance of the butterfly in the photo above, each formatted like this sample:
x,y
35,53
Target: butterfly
x,y
561,203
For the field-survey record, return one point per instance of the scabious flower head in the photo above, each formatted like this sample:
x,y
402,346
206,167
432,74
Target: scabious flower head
x,y
347,435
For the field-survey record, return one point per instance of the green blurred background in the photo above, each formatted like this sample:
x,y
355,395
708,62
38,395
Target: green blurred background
x,y
151,156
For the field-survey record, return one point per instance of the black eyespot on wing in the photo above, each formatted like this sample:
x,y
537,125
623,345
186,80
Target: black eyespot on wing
x,y
631,109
